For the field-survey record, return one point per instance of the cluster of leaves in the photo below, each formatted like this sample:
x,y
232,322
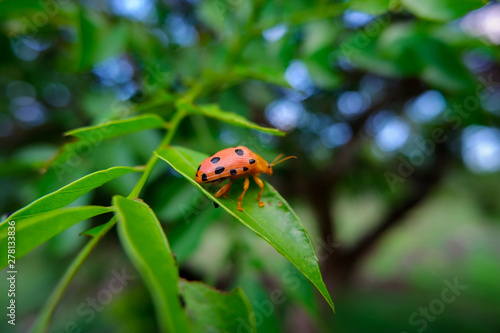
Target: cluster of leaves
x,y
142,236
231,58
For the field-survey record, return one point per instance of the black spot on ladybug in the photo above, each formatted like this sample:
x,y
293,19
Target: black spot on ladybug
x,y
215,160
251,161
204,177
219,170
232,171
239,152
245,169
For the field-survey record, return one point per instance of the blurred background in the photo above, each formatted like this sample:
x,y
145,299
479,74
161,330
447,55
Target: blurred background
x,y
392,107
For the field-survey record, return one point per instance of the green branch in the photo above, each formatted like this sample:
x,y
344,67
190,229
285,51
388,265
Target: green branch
x,y
43,322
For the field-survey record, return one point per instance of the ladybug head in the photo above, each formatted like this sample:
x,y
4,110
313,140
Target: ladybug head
x,y
276,161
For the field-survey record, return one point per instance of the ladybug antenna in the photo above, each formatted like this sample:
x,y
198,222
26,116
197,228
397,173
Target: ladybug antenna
x,y
273,163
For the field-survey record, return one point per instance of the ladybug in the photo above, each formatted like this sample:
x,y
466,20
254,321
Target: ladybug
x,y
233,163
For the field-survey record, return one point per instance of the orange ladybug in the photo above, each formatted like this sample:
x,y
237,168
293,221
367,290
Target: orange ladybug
x,y
233,163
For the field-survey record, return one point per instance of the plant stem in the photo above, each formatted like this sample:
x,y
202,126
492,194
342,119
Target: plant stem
x,y
174,124
43,322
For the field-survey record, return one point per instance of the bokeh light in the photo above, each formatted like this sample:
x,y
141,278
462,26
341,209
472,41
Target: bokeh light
x,y
275,33
477,61
426,107
284,114
19,88
113,71
56,94
299,78
117,73
483,23
353,103
28,111
24,50
390,131
229,137
492,102
481,148
372,85
336,135
183,33
140,10
354,19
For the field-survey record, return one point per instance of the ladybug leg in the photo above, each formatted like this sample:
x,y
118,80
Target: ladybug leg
x,y
224,190
246,184
261,185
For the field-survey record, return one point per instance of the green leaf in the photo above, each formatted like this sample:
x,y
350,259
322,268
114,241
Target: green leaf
x,y
363,50
441,10
43,322
99,39
87,138
213,111
253,286
374,7
417,53
276,223
147,247
35,230
16,168
187,235
321,75
211,310
261,73
69,193
409,50
444,69
19,7
304,15
117,128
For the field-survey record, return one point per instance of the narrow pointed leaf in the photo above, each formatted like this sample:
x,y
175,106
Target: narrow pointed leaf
x,y
213,111
146,245
211,310
37,229
117,128
87,138
276,223
69,193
